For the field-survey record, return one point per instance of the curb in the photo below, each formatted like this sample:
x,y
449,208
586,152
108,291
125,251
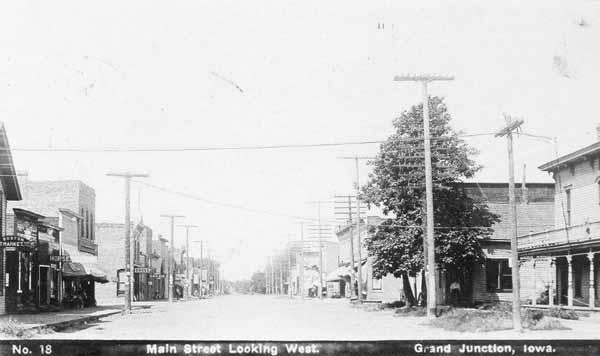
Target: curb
x,y
61,325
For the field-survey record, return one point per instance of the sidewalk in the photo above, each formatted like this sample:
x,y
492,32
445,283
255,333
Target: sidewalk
x,y
60,319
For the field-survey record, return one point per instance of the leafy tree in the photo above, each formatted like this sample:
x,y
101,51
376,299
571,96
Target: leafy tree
x,y
397,186
258,282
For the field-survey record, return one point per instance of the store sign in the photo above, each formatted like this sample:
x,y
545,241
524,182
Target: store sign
x,y
142,270
156,275
64,258
16,241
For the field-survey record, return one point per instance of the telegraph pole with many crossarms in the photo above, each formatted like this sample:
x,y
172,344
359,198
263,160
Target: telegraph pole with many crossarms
x,y
428,243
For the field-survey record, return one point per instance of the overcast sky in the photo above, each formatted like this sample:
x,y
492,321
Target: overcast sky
x,y
149,74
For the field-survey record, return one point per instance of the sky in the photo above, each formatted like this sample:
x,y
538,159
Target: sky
x,y
175,74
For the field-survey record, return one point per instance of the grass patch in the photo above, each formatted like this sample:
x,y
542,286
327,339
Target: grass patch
x,y
493,318
410,311
11,328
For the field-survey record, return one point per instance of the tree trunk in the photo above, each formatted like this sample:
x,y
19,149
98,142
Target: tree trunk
x,y
423,288
410,297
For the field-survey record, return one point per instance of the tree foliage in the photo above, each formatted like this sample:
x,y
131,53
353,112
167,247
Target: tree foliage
x,y
397,186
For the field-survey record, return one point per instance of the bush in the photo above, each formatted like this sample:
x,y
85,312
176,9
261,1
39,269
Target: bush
x,y
563,314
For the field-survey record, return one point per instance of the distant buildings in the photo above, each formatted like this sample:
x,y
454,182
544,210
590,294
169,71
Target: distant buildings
x,y
148,276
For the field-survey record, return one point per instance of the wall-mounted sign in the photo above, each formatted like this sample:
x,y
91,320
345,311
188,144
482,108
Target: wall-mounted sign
x,y
142,270
17,241
64,258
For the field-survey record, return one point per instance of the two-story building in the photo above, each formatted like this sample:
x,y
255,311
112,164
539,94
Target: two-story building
x,y
560,265
111,257
9,191
69,205
306,264
385,289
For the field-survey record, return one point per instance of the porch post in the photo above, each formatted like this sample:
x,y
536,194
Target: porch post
x,y
533,298
569,280
590,257
552,282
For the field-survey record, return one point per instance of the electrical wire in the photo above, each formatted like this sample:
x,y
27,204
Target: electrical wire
x,y
224,148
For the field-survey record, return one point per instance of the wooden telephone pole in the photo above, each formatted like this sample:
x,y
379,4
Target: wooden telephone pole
x,y
428,243
508,132
170,271
359,243
187,260
128,250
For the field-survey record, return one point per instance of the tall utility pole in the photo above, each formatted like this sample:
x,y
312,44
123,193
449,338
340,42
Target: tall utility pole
x,y
273,286
128,250
187,260
289,278
302,259
508,132
428,243
359,243
320,238
200,283
170,271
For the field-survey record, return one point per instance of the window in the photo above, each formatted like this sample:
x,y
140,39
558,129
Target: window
x,y
499,275
376,282
568,203
81,223
92,227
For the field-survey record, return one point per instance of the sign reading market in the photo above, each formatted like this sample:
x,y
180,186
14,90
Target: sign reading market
x,y
17,241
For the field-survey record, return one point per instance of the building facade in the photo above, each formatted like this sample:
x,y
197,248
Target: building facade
x,y
111,257
560,264
385,289
9,191
69,205
492,281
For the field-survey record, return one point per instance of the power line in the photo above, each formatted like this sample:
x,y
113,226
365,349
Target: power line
x,y
223,148
213,202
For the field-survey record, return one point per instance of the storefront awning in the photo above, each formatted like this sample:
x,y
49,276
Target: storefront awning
x,y
81,269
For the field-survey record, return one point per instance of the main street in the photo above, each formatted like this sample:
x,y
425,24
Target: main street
x,y
259,317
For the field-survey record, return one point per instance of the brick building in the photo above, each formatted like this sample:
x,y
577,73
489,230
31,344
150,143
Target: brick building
x,y
560,264
9,191
71,206
111,258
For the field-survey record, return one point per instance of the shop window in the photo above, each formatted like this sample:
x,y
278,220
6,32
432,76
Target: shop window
x,y
499,275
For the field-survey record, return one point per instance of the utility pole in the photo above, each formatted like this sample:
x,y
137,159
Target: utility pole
x,y
428,243
128,250
273,286
359,243
508,132
320,238
200,283
170,271
289,279
187,260
302,259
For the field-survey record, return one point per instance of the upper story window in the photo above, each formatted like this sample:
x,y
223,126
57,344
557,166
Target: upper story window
x,y
92,226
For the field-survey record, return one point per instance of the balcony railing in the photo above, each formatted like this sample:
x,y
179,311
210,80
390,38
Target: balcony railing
x,y
572,234
87,246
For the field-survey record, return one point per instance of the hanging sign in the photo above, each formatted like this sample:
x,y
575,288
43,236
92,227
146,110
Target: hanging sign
x,y
142,270
64,258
